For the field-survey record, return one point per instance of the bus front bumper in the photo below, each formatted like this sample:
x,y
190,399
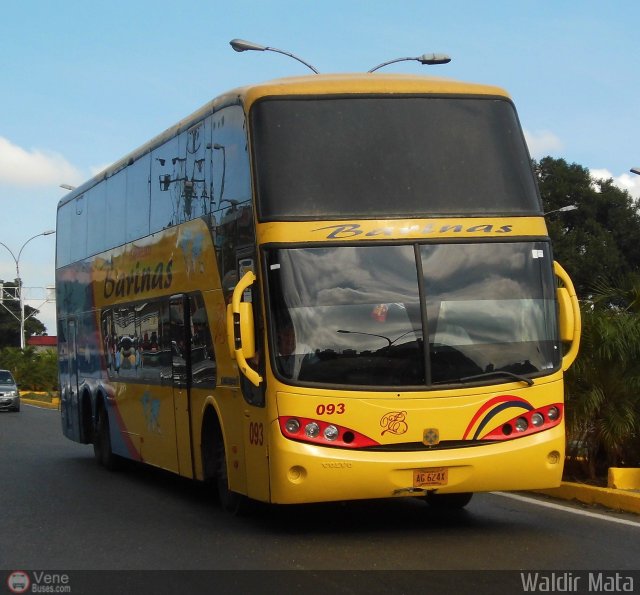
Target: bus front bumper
x,y
302,472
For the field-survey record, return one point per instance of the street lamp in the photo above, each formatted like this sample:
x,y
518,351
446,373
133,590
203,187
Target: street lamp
x,y
428,59
562,210
19,280
240,45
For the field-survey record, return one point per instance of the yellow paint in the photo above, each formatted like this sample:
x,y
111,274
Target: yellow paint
x,y
362,83
300,473
261,462
402,229
624,478
611,498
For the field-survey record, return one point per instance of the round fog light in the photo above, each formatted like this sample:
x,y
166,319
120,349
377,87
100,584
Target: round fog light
x,y
312,429
537,420
521,424
292,426
553,413
331,432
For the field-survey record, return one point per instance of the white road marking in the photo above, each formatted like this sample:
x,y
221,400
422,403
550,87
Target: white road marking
x,y
579,511
23,404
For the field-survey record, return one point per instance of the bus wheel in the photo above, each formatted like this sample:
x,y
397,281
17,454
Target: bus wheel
x,y
230,501
102,443
448,501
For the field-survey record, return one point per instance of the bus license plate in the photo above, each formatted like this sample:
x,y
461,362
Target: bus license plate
x,y
423,478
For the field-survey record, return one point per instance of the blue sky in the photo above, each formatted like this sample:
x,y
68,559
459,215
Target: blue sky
x,y
84,83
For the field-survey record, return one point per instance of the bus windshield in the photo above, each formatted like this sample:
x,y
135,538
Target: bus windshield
x,y
390,157
362,315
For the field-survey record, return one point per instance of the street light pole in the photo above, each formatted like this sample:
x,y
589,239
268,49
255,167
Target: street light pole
x,y
562,210
428,59
241,45
19,280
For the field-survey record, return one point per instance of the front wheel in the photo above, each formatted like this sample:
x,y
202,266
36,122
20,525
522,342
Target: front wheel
x,y
231,501
448,501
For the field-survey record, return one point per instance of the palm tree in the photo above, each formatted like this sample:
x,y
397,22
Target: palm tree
x,y
603,387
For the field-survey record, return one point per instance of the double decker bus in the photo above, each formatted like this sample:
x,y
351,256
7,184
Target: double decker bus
x,y
322,288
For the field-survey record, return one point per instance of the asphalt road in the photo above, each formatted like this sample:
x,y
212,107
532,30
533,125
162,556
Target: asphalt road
x,y
61,511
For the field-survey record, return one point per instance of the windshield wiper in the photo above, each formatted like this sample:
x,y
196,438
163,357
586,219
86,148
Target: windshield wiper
x,y
498,373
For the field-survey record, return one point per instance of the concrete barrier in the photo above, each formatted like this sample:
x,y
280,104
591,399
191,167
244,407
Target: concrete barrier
x,y
54,404
624,478
615,499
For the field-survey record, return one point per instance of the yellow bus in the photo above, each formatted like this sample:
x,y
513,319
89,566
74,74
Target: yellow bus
x,y
323,288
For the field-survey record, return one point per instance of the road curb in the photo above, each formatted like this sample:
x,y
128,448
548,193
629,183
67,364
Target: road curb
x,y
43,404
625,500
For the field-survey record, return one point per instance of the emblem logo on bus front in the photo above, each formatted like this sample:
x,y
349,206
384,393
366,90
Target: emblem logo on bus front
x,y
430,436
394,423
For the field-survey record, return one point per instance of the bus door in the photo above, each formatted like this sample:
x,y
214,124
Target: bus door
x,y
254,411
180,332
69,407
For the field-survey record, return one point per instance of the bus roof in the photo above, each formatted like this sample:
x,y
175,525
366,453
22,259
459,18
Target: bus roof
x,y
367,83
319,84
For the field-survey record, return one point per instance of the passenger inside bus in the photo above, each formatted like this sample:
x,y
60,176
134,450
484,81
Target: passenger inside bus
x,y
292,356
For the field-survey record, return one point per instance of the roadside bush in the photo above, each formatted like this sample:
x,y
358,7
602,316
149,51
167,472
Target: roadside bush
x,y
603,394
36,371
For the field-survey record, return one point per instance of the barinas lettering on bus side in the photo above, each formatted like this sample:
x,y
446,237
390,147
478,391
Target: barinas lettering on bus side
x,y
351,230
139,280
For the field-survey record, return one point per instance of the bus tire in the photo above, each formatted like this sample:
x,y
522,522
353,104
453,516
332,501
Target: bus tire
x,y
102,443
448,501
230,501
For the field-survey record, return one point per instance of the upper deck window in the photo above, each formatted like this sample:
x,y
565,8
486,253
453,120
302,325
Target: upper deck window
x,y
390,157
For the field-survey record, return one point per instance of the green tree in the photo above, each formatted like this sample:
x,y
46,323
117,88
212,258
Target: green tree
x,y
10,319
37,371
598,242
598,245
603,390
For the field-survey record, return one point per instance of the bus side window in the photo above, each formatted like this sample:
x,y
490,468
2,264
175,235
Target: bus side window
x,y
203,359
231,189
167,171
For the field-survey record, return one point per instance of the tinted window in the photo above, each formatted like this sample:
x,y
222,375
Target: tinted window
x,y
136,218
6,378
390,157
231,193
203,362
362,315
140,344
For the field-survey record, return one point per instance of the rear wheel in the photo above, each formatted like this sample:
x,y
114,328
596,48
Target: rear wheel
x,y
102,443
448,501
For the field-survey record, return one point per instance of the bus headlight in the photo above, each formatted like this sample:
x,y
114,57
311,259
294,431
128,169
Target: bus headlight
x,y
292,426
331,432
533,421
312,429
521,424
322,433
537,419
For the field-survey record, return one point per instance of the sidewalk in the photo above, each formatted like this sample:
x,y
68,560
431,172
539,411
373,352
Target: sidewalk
x,y
615,499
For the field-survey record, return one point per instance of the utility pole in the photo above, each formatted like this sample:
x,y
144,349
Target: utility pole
x,y
19,295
